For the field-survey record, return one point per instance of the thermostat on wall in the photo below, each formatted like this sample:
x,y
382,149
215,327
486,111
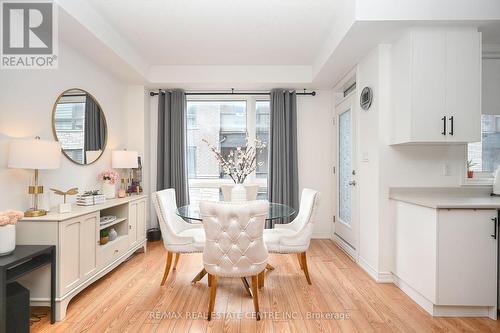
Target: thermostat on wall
x,y
365,101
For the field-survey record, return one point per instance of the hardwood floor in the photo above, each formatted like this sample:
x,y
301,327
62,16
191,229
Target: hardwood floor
x,y
130,299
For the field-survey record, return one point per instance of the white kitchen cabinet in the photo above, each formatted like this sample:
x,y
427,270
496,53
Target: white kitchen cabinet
x,y
446,259
436,86
467,257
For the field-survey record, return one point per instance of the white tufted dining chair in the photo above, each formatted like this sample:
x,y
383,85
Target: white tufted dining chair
x,y
295,236
234,244
178,235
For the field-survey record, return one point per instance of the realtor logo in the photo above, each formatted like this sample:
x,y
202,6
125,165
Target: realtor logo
x,y
28,35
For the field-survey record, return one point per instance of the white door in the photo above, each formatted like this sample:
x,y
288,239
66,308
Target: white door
x,y
346,226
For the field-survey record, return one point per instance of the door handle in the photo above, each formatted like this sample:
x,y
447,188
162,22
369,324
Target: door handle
x,y
352,183
444,125
451,123
495,228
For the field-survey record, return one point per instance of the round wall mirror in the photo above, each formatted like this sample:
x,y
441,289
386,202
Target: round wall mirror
x,y
80,126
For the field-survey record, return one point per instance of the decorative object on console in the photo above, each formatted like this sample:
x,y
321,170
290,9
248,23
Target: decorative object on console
x,y
107,220
8,220
90,198
124,159
79,122
66,206
104,236
238,164
34,154
470,173
109,179
112,234
136,187
496,182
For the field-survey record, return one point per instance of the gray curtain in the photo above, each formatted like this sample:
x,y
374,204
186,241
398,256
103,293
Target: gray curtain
x,y
95,127
171,150
283,181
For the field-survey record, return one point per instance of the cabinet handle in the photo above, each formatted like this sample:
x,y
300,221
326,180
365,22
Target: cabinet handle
x,y
444,125
451,123
495,228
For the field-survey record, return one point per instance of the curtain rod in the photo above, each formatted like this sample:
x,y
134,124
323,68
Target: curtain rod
x,y
312,93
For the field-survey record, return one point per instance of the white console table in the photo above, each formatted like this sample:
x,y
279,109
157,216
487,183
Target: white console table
x,y
80,258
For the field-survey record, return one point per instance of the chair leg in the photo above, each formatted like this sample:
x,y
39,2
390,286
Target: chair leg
x,y
199,276
255,296
261,279
177,256
300,261
167,267
269,267
304,266
213,291
247,286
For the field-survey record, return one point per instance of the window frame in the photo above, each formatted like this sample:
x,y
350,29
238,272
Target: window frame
x,y
480,178
251,114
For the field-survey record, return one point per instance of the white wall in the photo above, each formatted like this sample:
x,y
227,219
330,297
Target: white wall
x,y
26,109
391,166
315,139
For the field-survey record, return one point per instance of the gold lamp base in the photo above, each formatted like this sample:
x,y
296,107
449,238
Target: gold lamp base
x,y
35,212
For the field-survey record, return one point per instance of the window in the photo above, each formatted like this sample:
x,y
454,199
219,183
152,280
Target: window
x,y
262,124
69,123
225,123
485,155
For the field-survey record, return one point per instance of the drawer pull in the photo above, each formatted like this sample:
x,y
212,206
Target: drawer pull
x,y
116,251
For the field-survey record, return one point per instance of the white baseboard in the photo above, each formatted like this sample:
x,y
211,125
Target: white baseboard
x,y
444,310
379,277
413,294
321,235
346,247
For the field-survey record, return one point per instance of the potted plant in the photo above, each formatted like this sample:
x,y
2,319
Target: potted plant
x,y
104,236
8,220
109,178
470,173
238,164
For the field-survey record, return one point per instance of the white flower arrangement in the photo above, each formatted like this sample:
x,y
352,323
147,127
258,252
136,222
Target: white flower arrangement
x,y
239,163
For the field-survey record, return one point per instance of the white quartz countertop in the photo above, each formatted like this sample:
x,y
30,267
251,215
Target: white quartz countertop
x,y
447,198
76,210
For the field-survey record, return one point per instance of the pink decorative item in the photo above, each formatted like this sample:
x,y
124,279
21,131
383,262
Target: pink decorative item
x,y
8,220
109,178
110,175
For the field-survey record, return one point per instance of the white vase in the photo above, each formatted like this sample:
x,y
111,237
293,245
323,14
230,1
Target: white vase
x,y
7,239
112,234
108,189
238,193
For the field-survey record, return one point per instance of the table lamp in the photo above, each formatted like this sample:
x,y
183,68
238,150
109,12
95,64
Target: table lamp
x,y
124,159
37,155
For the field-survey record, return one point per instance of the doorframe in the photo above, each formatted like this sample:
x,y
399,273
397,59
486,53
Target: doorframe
x,y
351,251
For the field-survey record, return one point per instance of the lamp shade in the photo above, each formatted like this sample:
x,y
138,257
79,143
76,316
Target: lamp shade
x,y
124,159
34,154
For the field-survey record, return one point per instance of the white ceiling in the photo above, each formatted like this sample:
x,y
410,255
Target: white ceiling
x,y
223,32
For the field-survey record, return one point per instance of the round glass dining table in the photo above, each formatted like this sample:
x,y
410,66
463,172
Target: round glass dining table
x,y
275,211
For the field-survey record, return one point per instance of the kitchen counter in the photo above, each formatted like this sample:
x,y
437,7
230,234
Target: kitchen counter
x,y
447,198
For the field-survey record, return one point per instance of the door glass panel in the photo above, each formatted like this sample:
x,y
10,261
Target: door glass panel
x,y
345,168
